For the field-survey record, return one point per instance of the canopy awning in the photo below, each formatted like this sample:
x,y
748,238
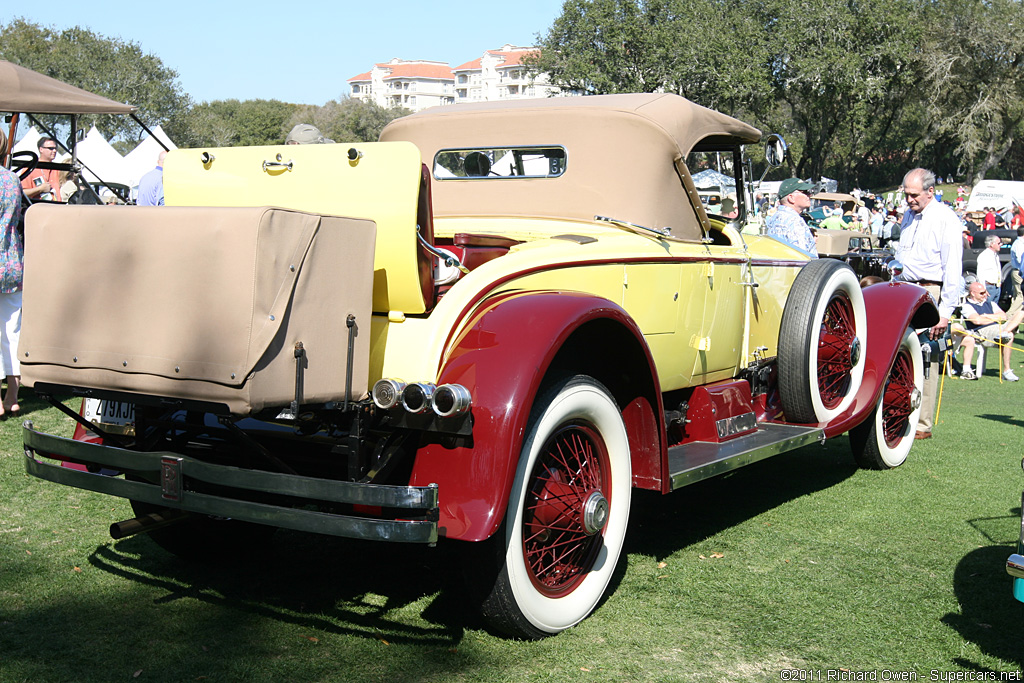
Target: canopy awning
x,y
25,91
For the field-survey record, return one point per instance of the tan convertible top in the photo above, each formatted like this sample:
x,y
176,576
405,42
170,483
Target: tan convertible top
x,y
25,91
622,155
685,122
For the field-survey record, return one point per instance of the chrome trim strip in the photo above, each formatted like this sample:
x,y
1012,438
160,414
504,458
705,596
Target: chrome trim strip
x,y
699,460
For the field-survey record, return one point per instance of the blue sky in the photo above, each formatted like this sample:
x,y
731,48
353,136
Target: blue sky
x,y
301,52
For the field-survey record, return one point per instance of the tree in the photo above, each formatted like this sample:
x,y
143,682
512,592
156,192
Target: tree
x,y
347,119
837,78
843,76
608,46
976,76
700,49
110,67
228,123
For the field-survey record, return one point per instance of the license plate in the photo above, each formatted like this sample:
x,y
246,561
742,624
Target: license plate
x,y
116,416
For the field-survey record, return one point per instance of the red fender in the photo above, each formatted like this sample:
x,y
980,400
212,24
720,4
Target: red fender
x,y
891,307
502,356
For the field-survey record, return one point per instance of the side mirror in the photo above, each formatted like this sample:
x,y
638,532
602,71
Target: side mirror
x,y
775,149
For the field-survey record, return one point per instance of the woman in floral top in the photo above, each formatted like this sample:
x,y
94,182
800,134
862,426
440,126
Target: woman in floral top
x,y
12,249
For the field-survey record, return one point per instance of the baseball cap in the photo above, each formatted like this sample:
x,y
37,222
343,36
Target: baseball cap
x,y
791,185
306,134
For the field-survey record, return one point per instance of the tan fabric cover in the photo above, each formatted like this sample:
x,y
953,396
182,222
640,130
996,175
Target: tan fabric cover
x,y
621,156
24,90
196,302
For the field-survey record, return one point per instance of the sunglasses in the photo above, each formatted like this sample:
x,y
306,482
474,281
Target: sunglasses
x,y
52,149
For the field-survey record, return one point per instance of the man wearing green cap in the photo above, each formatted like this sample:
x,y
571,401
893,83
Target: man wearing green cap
x,y
786,224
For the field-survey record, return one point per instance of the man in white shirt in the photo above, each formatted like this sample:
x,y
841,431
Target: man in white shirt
x,y
931,251
989,269
864,215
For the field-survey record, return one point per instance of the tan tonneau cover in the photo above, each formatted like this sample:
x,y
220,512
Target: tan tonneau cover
x,y
197,303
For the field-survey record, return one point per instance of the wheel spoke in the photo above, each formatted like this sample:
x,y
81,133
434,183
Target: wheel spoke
x,y
557,549
896,400
835,364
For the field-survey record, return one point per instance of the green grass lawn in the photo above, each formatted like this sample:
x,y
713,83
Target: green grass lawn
x,y
799,562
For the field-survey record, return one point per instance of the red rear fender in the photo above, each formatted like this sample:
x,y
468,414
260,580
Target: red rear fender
x,y
511,346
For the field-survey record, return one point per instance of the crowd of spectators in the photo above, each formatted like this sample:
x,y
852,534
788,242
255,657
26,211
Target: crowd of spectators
x,y
989,305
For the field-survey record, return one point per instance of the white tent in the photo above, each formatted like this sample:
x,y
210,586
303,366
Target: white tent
x,y
28,142
142,159
100,159
710,178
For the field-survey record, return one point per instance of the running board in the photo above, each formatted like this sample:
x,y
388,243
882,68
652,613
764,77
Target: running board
x,y
699,460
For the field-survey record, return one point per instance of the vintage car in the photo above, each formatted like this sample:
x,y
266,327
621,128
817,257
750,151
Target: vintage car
x,y
858,249
486,328
823,203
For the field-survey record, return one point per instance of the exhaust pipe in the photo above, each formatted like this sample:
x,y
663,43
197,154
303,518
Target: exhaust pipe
x,y
146,523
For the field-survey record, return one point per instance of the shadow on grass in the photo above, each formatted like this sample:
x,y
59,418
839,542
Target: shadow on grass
x,y
362,592
167,611
1005,419
989,616
324,583
29,403
662,525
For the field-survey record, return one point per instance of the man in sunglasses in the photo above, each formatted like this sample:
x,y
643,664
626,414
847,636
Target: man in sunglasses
x,y
43,183
986,322
786,223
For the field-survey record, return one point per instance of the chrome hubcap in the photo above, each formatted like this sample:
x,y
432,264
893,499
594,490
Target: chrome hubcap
x,y
595,513
855,352
915,399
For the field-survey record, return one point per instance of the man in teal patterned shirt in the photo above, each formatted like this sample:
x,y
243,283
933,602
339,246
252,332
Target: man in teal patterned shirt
x,y
786,224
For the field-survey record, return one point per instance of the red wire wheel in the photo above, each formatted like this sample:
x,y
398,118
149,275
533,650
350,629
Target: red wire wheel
x,y
821,340
567,512
898,399
883,441
838,351
566,508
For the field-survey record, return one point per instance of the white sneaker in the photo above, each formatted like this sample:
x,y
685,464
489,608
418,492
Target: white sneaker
x,y
1009,376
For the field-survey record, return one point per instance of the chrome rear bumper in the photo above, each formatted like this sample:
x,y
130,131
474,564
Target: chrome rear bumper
x,y
179,474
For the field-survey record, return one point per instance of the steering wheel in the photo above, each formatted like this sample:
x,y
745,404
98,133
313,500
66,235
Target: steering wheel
x,y
33,161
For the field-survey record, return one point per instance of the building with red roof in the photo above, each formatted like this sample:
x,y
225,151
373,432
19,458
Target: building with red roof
x,y
418,84
414,84
501,75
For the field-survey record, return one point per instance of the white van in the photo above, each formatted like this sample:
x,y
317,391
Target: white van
x,y
999,194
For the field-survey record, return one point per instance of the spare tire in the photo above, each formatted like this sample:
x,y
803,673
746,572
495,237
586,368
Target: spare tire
x,y
821,342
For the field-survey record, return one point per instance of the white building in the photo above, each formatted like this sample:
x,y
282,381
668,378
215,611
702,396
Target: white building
x,y
414,84
500,75
418,84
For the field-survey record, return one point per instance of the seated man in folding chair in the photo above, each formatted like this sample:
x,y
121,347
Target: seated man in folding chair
x,y
986,322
